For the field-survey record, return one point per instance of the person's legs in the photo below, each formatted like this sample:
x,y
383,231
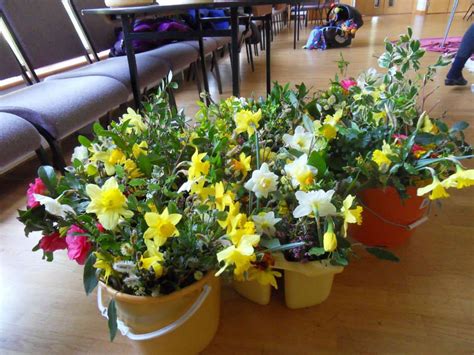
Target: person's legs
x,y
465,51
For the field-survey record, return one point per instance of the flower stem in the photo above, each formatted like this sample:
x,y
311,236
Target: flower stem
x,y
257,157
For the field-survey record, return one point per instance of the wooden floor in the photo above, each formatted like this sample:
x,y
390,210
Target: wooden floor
x,y
423,305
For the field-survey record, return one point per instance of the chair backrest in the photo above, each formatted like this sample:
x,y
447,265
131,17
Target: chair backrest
x,y
9,67
281,7
101,29
262,10
44,30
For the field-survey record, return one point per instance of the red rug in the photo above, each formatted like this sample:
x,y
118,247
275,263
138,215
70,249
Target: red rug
x,y
433,44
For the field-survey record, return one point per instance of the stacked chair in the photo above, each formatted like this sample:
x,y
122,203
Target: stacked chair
x,y
61,104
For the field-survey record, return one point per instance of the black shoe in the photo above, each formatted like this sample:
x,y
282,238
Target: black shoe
x,y
455,82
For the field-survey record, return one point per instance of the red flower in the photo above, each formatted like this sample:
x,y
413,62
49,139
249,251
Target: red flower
x,y
100,227
52,242
78,245
418,150
37,187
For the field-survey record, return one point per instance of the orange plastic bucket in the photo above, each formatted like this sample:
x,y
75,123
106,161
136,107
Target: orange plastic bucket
x,y
387,220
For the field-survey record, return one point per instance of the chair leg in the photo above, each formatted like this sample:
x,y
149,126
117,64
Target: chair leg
x,y
262,42
217,72
247,52
255,48
249,46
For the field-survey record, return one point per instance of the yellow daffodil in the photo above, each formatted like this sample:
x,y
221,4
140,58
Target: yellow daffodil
x,y
240,227
240,255
103,264
265,277
198,168
234,209
334,119
161,226
428,126
136,124
329,240
329,132
436,188
247,121
222,198
152,258
462,178
242,166
110,159
131,169
108,203
350,215
300,172
140,149
381,159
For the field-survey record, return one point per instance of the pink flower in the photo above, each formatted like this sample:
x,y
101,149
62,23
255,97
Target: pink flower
x,y
52,242
37,187
78,245
400,136
348,83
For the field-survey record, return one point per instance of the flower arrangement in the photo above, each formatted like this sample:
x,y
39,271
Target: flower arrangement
x,y
152,203
386,136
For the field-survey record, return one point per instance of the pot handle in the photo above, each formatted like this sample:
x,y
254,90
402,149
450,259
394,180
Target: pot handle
x,y
206,290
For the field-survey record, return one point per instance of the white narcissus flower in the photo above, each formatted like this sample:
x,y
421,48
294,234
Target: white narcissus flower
x,y
263,181
319,201
53,206
80,153
265,223
300,141
300,172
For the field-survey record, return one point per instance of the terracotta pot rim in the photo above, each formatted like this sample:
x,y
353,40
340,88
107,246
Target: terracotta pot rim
x,y
125,297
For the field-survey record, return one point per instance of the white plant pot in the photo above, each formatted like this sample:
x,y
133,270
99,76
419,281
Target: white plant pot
x,y
125,3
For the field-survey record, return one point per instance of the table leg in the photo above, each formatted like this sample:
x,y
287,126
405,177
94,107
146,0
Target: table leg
x,y
299,15
234,22
268,21
295,23
132,62
202,55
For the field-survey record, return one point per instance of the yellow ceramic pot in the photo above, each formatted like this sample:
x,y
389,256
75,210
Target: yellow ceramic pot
x,y
253,291
306,284
125,3
183,322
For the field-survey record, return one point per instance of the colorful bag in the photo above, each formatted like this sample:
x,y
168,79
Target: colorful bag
x,y
148,25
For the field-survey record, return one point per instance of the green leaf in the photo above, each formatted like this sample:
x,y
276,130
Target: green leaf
x,y
317,160
144,164
287,246
317,251
459,126
137,182
49,178
383,254
90,278
112,314
270,243
84,141
222,215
